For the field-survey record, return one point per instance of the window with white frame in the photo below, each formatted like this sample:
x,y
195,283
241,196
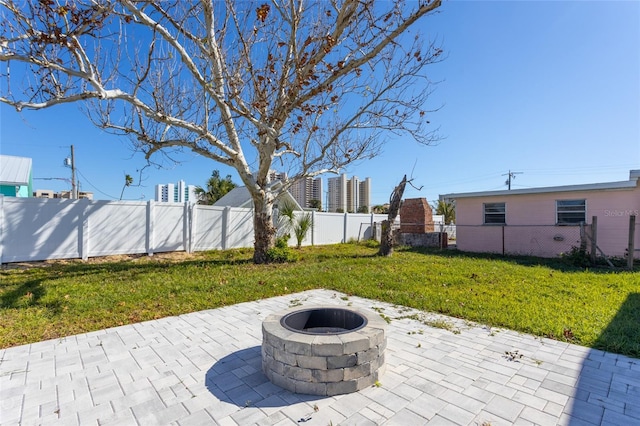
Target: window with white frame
x,y
495,213
571,212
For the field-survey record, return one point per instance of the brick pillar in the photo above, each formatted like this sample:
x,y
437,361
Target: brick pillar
x,y
416,216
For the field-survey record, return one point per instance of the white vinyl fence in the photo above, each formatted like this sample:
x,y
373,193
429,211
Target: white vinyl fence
x,y
33,229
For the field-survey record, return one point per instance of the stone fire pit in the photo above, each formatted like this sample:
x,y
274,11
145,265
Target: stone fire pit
x,y
323,350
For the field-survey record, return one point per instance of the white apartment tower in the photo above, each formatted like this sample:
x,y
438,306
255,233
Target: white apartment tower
x,y
275,175
364,194
176,193
337,195
307,189
353,194
348,195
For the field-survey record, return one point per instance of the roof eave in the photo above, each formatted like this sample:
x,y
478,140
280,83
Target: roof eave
x,y
624,185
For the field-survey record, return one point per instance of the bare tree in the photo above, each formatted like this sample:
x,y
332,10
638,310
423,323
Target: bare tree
x,y
395,201
310,86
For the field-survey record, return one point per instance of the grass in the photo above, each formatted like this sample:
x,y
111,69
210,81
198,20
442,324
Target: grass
x,y
599,308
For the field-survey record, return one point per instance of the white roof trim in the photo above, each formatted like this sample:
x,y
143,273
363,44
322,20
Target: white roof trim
x,y
623,185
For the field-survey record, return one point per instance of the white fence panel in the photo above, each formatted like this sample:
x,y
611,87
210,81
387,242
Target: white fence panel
x,y
38,229
358,227
208,222
33,229
328,228
117,227
168,227
239,230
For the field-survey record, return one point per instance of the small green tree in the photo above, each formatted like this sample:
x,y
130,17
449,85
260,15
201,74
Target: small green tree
x,y
216,188
128,181
290,222
381,209
315,204
446,209
363,209
302,225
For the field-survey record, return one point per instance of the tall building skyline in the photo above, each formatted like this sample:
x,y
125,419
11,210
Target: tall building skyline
x,y
306,190
348,195
176,193
343,194
337,193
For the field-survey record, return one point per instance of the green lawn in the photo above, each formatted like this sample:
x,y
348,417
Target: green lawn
x,y
599,309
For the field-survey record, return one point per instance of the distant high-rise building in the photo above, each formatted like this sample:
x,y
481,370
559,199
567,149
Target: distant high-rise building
x,y
44,193
275,175
337,195
81,195
348,195
307,189
176,193
353,194
364,194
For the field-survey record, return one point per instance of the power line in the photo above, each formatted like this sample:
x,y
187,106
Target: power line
x,y
93,186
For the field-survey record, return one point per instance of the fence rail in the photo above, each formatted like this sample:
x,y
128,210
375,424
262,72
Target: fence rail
x,y
33,229
532,240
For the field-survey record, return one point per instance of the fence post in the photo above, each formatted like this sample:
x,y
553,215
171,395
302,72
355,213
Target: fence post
x,y
1,227
193,226
150,236
313,227
185,226
372,227
84,230
344,228
225,226
631,249
594,238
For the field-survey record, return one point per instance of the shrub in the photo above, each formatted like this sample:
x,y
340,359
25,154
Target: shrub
x,y
281,253
576,257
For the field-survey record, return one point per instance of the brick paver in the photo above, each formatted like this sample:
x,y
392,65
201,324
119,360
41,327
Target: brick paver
x,y
205,368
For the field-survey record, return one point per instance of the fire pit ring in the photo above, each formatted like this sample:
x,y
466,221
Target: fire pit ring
x,y
323,350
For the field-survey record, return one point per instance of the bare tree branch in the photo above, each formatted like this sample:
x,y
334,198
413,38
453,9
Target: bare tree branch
x,y
315,85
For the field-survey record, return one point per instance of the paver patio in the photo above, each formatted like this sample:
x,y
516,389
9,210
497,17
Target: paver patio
x,y
203,368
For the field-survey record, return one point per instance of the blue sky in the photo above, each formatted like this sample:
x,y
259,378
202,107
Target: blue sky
x,y
547,89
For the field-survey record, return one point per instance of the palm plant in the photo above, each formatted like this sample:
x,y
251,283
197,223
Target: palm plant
x,y
448,210
289,222
216,188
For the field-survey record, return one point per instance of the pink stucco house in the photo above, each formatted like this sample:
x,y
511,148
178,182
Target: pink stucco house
x,y
549,221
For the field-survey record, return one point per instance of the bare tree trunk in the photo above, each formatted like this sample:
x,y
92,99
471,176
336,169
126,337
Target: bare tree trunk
x,y
386,242
264,231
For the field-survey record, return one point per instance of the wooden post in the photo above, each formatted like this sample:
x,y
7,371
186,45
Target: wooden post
x,y
594,238
631,248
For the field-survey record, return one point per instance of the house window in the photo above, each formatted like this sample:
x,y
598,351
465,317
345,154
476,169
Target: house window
x,y
495,213
571,212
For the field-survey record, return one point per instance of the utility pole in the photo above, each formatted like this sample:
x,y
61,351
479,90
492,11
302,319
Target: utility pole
x,y
74,189
71,162
512,175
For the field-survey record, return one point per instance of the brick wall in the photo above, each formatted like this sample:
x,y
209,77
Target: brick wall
x,y
416,216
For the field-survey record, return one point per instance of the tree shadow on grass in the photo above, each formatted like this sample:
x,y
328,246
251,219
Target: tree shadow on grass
x,y
622,335
26,294
238,379
608,387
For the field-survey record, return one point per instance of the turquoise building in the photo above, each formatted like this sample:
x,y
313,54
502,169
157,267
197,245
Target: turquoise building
x,y
16,178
